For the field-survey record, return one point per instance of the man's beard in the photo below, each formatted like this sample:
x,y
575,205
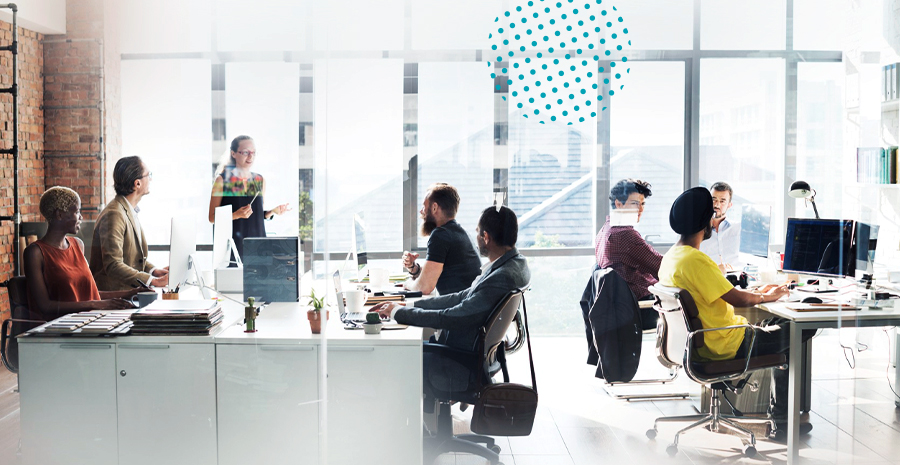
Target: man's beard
x,y
482,248
428,225
707,233
718,215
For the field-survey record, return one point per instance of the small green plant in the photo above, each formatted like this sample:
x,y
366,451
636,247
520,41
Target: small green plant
x,y
373,318
317,303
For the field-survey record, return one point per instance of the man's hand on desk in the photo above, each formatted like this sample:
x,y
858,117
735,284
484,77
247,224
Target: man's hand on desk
x,y
386,308
160,272
773,292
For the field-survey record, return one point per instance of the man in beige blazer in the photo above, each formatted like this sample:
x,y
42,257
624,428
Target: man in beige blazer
x,y
119,249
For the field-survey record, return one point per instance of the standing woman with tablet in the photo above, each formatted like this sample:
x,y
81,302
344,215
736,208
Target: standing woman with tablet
x,y
244,190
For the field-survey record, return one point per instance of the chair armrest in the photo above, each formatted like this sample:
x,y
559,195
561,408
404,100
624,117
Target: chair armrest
x,y
689,353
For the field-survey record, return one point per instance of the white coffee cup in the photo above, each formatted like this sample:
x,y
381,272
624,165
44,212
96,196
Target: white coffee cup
x,y
143,299
378,278
356,299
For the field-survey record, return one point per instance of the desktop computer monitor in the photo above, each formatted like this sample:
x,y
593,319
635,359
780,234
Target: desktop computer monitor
x,y
358,239
182,246
865,239
755,221
222,232
819,246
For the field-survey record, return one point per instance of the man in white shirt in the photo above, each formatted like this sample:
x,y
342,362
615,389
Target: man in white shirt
x,y
723,246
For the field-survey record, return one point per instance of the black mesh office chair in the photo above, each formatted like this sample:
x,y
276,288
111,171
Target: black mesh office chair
x,y
680,335
17,323
489,346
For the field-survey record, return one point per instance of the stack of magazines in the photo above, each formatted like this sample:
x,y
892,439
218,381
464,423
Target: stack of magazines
x,y
91,323
177,317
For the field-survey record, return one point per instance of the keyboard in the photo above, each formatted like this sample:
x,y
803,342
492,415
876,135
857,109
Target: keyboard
x,y
360,317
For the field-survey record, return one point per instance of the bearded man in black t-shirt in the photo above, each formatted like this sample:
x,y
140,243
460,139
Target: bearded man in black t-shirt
x,y
451,263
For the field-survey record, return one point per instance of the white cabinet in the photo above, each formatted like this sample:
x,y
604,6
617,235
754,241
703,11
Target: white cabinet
x,y
68,403
374,404
166,404
268,401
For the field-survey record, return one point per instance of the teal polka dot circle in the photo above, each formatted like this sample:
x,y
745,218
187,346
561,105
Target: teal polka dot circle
x,y
581,45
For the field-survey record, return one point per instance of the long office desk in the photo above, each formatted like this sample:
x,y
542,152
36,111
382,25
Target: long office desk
x,y
281,395
815,320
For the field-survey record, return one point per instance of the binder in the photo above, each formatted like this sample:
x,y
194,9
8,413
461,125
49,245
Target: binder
x,y
894,83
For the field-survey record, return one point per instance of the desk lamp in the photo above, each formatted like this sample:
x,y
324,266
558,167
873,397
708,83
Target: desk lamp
x,y
801,190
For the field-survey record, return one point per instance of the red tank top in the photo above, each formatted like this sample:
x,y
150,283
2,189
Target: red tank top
x,y
67,274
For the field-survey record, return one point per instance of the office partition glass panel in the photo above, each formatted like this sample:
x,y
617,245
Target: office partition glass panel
x,y
262,25
555,280
165,121
819,24
647,141
262,101
356,25
457,25
456,136
820,119
660,24
359,153
742,131
551,177
742,25
151,27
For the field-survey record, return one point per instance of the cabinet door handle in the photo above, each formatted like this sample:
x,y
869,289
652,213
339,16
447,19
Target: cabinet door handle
x,y
352,349
286,348
143,346
85,346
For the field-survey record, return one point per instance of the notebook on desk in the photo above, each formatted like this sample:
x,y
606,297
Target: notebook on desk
x,y
823,307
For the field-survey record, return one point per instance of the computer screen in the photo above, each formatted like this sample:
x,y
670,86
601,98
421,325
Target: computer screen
x,y
755,221
818,246
222,232
865,239
182,245
359,241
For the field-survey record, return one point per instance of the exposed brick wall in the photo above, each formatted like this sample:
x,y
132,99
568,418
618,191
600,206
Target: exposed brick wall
x,y
31,142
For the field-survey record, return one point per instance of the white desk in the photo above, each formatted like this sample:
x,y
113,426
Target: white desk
x,y
815,320
280,395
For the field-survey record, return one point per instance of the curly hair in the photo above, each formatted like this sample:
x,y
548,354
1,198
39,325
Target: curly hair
x,y
626,187
56,200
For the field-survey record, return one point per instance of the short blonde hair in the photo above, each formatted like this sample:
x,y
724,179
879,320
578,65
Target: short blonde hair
x,y
56,200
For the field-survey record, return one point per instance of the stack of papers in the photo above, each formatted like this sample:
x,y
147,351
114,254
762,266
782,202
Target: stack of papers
x,y
177,317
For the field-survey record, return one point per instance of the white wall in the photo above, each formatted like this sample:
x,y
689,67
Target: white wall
x,y
44,16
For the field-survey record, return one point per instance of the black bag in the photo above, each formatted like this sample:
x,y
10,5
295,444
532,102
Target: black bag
x,y
507,409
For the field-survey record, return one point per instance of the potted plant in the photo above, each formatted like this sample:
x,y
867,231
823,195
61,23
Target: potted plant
x,y
315,313
373,323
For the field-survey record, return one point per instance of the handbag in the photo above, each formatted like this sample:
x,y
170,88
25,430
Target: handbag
x,y
507,409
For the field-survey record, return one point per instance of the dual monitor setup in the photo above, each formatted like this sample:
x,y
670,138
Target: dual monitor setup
x,y
824,247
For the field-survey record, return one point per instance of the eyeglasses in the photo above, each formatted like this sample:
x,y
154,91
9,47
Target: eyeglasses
x,y
148,175
247,153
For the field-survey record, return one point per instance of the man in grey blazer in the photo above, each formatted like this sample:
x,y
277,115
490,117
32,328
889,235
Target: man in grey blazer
x,y
119,248
459,315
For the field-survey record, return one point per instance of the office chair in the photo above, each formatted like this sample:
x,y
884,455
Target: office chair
x,y
17,323
612,319
489,346
681,334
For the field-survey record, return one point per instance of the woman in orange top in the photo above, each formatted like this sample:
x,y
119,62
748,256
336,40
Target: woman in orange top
x,y
59,280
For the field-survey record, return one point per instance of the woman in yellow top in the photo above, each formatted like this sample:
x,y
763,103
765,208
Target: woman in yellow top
x,y
686,267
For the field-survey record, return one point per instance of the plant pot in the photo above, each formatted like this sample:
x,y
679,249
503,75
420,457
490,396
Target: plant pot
x,y
372,328
315,320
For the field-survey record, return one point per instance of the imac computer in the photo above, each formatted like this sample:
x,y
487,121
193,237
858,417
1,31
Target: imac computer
x,y
358,245
819,246
865,239
223,243
755,222
182,248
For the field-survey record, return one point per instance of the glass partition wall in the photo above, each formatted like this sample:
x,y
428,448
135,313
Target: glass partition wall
x,y
358,119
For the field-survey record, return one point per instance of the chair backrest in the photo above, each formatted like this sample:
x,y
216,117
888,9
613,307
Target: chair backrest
x,y
17,324
497,325
18,298
672,332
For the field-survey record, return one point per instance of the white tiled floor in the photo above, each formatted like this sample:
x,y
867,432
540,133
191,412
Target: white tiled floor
x,y
853,413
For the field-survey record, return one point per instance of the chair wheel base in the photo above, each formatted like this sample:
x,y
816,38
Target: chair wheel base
x,y
750,451
672,450
651,433
495,448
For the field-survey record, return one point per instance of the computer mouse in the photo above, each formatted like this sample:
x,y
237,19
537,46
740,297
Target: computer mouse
x,y
812,300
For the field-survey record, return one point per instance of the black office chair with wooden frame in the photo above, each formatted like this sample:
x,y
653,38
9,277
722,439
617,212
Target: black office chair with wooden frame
x,y
488,352
681,334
